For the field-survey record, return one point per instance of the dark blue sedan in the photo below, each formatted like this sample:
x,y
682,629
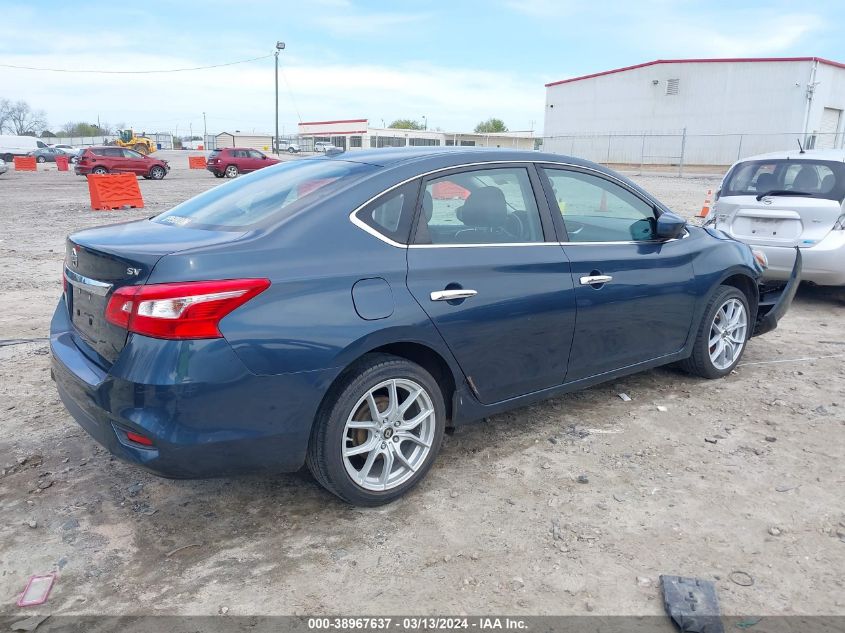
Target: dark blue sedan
x,y
343,311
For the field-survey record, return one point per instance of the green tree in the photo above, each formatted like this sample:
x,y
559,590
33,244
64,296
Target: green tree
x,y
79,128
491,126
406,124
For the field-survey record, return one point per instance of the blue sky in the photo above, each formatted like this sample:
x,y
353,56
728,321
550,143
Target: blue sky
x,y
455,62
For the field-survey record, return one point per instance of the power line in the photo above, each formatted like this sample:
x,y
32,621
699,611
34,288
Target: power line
x,y
132,72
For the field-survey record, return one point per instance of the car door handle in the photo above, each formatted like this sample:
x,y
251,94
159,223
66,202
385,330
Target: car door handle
x,y
595,279
452,295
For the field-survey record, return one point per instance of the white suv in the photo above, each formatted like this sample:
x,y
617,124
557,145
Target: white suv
x,y
783,200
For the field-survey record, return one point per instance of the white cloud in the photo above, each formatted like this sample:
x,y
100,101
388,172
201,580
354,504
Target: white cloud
x,y
242,97
366,24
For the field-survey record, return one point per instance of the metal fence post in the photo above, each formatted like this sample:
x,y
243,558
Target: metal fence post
x,y
683,150
609,138
642,155
739,149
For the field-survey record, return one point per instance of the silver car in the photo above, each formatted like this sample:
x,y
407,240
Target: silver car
x,y
3,167
783,200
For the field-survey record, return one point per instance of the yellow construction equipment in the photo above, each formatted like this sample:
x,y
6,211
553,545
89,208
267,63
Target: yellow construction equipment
x,y
140,144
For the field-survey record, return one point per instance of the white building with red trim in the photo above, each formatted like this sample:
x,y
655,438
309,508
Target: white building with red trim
x,y
728,107
354,134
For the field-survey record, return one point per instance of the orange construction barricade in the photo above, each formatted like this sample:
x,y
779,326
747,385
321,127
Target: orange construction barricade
x,y
25,163
61,163
114,191
196,162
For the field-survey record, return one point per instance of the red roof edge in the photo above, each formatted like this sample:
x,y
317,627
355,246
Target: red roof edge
x,y
330,122
821,60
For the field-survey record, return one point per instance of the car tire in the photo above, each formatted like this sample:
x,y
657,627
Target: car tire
x,y
232,171
291,150
157,172
8,158
40,159
391,466
99,170
722,335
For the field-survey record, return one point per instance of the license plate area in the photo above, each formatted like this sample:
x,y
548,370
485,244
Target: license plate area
x,y
770,229
87,312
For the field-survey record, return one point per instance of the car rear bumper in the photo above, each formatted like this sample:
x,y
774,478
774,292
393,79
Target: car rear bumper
x,y
823,263
774,303
206,414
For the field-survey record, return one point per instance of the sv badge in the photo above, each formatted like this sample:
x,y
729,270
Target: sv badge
x,y
133,272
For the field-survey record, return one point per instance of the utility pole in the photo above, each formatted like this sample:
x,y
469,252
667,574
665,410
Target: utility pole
x,y
204,132
280,46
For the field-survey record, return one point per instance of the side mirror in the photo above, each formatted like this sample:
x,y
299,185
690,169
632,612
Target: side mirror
x,y
670,226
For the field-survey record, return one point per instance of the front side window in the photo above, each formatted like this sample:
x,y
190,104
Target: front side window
x,y
128,153
596,210
484,206
254,153
273,193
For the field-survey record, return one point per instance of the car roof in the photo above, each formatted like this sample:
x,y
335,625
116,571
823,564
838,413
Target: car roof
x,y
390,157
795,154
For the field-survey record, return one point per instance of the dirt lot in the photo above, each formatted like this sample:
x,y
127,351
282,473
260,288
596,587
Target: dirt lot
x,y
743,474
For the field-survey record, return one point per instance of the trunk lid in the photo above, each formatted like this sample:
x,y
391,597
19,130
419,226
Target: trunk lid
x,y
777,220
99,261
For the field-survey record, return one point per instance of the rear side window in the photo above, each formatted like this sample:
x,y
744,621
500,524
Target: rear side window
x,y
816,178
274,193
391,213
215,152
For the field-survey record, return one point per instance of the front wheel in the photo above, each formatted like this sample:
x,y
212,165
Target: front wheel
x,y
232,171
99,170
380,433
41,159
722,335
291,150
157,172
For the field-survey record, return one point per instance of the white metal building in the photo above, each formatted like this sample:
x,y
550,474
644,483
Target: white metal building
x,y
262,142
721,108
357,134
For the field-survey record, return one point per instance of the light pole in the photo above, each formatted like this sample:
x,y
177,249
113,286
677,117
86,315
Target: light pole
x,y
204,131
425,122
280,46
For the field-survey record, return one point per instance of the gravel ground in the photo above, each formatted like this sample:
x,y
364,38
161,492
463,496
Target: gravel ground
x,y
573,506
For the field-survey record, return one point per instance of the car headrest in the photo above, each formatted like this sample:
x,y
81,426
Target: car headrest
x,y
485,207
806,180
828,183
427,206
765,182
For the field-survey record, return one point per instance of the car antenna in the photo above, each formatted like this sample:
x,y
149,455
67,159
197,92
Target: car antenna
x,y
799,146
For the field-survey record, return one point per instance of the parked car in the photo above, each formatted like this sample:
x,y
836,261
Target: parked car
x,y
783,200
289,146
11,146
67,149
47,154
107,160
342,312
232,161
324,146
3,167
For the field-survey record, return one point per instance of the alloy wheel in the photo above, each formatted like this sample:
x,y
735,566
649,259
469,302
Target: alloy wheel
x,y
389,434
728,333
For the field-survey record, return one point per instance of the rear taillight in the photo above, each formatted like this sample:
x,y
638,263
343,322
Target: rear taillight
x,y
188,310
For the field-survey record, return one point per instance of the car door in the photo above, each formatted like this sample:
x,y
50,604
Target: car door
x,y
634,292
257,159
135,162
114,160
489,273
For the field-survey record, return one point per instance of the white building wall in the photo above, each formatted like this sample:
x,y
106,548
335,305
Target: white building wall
x,y
755,99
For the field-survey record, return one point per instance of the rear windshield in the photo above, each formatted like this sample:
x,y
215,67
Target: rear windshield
x,y
215,152
816,178
273,192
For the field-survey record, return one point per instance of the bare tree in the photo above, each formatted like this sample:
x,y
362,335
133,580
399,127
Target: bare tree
x,y
5,104
23,120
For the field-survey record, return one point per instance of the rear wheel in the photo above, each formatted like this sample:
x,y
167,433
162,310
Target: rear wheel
x,y
141,149
8,158
722,335
291,150
380,433
99,170
157,172
232,171
41,159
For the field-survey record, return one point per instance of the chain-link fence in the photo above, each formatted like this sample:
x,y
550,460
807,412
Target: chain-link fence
x,y
680,151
